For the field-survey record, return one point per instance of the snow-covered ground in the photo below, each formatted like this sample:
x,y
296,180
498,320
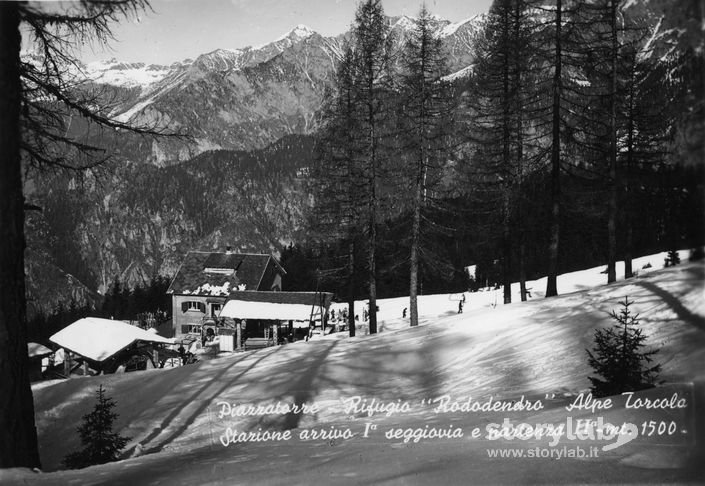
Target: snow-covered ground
x,y
534,350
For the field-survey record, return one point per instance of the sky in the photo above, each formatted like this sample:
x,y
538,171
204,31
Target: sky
x,y
181,29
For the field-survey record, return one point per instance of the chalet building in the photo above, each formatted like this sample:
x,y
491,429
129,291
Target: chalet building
x,y
37,353
206,279
267,318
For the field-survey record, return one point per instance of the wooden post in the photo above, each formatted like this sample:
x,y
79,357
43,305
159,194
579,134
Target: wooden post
x,y
275,332
67,363
238,335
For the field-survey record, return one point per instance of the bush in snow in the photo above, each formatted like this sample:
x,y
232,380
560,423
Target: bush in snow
x,y
672,259
100,443
618,356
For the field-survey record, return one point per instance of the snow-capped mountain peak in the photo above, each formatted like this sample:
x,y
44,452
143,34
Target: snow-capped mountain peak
x,y
404,22
239,74
220,59
126,74
453,27
299,32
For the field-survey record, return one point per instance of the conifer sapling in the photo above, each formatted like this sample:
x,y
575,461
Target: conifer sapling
x,y
618,356
672,259
100,443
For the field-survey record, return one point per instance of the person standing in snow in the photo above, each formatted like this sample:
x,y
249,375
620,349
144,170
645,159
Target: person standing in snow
x,y
461,303
182,354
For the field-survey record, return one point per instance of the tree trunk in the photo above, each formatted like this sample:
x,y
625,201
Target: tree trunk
x,y
628,201
627,213
551,286
612,211
371,260
419,199
519,107
371,255
522,271
414,256
507,163
18,447
628,268
506,250
351,287
372,266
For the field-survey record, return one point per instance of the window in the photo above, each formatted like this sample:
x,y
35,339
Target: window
x,y
194,306
215,309
220,271
191,329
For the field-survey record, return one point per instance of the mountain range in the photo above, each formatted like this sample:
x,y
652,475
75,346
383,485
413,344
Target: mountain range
x,y
247,98
239,180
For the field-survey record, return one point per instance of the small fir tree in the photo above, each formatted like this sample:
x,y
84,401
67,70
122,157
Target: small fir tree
x,y
100,443
672,259
618,356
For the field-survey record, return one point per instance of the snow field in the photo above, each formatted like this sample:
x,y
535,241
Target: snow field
x,y
534,349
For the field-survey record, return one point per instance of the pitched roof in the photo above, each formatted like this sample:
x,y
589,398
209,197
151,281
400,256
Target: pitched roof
x,y
232,269
36,350
99,339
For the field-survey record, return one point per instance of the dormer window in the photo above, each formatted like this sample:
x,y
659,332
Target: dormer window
x,y
220,271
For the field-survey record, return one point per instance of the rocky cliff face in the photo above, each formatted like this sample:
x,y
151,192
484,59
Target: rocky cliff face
x,y
136,220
